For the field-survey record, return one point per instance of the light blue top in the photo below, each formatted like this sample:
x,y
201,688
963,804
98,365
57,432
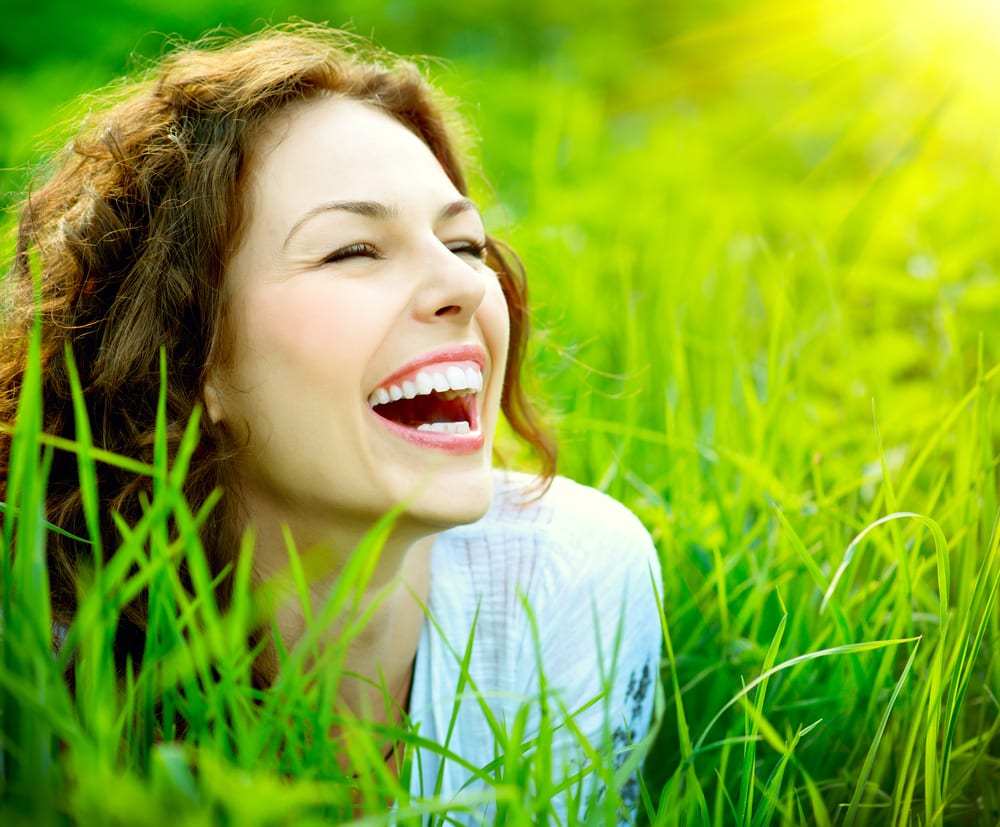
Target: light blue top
x,y
579,568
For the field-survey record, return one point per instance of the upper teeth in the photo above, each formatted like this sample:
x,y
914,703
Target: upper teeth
x,y
452,378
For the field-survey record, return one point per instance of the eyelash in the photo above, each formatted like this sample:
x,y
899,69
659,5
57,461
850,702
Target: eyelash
x,y
476,248
360,250
365,250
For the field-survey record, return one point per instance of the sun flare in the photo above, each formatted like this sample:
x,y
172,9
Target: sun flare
x,y
953,42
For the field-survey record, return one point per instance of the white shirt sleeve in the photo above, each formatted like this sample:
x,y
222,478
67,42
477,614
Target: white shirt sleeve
x,y
562,588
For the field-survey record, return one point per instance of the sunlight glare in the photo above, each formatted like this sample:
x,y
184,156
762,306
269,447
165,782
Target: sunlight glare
x,y
956,40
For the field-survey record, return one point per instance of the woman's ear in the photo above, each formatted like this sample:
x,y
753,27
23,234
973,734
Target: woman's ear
x,y
213,399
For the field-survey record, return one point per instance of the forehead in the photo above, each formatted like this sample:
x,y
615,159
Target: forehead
x,y
334,146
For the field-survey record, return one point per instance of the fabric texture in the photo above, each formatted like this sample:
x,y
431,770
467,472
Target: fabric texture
x,y
562,587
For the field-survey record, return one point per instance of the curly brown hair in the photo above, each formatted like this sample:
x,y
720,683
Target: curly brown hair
x,y
132,228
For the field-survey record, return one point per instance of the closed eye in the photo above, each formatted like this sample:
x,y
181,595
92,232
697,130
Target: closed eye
x,y
358,250
475,249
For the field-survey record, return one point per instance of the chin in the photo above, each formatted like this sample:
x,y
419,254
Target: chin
x,y
455,501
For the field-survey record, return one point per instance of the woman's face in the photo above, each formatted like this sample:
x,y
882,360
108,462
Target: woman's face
x,y
369,336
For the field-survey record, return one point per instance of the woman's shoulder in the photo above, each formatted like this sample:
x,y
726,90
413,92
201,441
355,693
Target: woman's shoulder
x,y
568,510
564,504
583,533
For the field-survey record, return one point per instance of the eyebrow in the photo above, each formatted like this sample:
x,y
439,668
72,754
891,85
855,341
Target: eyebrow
x,y
376,210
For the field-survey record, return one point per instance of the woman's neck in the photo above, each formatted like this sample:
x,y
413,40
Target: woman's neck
x,y
379,587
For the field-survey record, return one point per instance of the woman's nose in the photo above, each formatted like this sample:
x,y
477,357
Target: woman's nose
x,y
453,286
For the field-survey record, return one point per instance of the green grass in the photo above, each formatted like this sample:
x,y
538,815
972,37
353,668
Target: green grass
x,y
762,244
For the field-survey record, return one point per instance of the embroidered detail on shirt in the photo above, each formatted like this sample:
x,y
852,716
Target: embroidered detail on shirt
x,y
624,736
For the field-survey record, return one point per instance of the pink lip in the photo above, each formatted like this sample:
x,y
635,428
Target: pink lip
x,y
462,353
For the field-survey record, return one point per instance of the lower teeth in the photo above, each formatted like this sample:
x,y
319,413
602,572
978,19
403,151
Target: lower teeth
x,y
445,427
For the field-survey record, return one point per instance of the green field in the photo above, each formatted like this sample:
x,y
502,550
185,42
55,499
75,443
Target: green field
x,y
762,242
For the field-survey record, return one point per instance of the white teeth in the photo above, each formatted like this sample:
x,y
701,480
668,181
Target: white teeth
x,y
457,380
424,384
450,378
446,427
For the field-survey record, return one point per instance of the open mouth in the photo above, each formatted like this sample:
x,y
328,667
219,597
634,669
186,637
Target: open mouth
x,y
437,400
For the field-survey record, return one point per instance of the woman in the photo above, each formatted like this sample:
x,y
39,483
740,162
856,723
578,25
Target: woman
x,y
285,216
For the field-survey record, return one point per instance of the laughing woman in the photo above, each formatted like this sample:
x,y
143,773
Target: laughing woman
x,y
286,217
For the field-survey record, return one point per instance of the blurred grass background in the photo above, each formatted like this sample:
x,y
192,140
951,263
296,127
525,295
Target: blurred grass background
x,y
761,238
